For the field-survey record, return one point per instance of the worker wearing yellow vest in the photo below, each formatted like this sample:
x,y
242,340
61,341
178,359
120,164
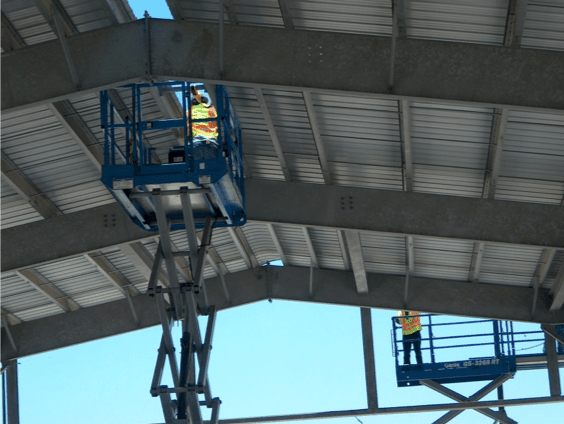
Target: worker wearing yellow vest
x,y
411,330
202,109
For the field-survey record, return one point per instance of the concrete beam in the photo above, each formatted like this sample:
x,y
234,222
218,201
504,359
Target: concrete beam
x,y
384,211
423,69
287,283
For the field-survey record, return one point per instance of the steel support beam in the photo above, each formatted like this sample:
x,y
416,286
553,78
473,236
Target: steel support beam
x,y
289,283
424,69
557,290
414,214
11,40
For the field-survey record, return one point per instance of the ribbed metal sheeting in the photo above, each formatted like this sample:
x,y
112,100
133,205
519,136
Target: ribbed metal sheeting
x,y
44,151
24,301
28,21
261,242
124,266
327,248
261,160
225,247
543,25
532,162
293,128
79,279
511,265
86,15
293,244
372,17
361,140
476,21
246,12
442,258
449,148
15,209
383,253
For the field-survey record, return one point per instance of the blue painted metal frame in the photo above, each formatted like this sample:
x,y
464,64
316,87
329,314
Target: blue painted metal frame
x,y
131,162
501,341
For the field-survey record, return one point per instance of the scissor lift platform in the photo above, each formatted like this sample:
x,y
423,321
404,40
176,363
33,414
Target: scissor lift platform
x,y
474,369
209,170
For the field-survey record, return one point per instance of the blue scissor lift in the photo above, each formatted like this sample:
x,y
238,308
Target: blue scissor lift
x,y
465,351
197,183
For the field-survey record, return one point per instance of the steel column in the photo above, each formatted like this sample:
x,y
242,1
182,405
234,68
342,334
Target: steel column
x,y
552,365
12,392
369,362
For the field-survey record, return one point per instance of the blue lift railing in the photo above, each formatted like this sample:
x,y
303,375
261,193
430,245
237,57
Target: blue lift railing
x,y
464,350
211,170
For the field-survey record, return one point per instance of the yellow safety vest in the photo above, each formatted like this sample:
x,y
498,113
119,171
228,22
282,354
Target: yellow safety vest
x,y
410,325
206,129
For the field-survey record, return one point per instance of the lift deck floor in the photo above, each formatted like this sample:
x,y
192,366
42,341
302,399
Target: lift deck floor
x,y
475,369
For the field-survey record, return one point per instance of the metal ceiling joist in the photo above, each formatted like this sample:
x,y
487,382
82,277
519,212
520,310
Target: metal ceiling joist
x,y
142,260
541,271
25,187
423,69
273,134
276,241
229,8
10,317
317,137
286,13
357,260
344,251
11,40
310,248
243,247
79,131
557,290
384,211
50,8
515,23
405,136
112,273
289,283
40,283
499,125
401,17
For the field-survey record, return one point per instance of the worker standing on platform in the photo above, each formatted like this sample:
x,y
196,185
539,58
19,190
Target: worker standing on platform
x,y
411,329
202,109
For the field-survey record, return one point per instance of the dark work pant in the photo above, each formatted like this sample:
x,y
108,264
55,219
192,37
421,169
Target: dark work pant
x,y
415,340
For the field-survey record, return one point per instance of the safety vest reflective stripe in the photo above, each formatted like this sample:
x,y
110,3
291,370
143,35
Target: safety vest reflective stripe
x,y
410,325
206,129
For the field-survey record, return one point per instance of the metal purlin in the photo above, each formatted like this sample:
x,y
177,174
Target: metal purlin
x,y
179,302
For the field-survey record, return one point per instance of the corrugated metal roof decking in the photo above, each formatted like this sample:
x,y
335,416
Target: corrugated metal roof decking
x,y
543,25
482,22
532,164
449,148
15,209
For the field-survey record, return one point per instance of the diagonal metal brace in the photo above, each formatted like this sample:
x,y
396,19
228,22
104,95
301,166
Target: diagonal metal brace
x,y
502,418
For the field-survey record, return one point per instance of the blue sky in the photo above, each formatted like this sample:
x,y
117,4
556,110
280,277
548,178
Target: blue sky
x,y
267,359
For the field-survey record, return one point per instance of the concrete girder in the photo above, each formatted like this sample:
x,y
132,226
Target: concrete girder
x,y
385,211
423,69
288,283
